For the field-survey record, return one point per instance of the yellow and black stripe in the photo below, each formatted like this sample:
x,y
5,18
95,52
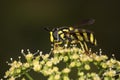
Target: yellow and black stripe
x,y
67,35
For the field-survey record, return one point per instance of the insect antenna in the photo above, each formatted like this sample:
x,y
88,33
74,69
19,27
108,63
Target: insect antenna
x,y
47,29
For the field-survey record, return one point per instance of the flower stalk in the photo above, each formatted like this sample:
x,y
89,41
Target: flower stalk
x,y
28,76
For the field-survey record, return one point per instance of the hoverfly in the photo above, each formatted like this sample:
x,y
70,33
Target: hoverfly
x,y
72,35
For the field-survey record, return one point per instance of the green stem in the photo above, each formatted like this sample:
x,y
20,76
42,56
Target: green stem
x,y
100,72
28,76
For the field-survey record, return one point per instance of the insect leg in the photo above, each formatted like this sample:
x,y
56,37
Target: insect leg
x,y
57,44
82,46
86,47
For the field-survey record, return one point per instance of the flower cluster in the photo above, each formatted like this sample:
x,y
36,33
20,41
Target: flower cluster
x,y
66,64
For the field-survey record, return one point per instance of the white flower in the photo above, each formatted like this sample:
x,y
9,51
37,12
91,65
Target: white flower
x,y
72,64
37,67
87,67
12,78
26,65
66,70
16,64
66,78
96,77
55,69
29,57
110,73
57,77
49,63
75,56
104,65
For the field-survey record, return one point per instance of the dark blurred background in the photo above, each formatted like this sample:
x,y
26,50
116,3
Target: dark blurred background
x,y
22,23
